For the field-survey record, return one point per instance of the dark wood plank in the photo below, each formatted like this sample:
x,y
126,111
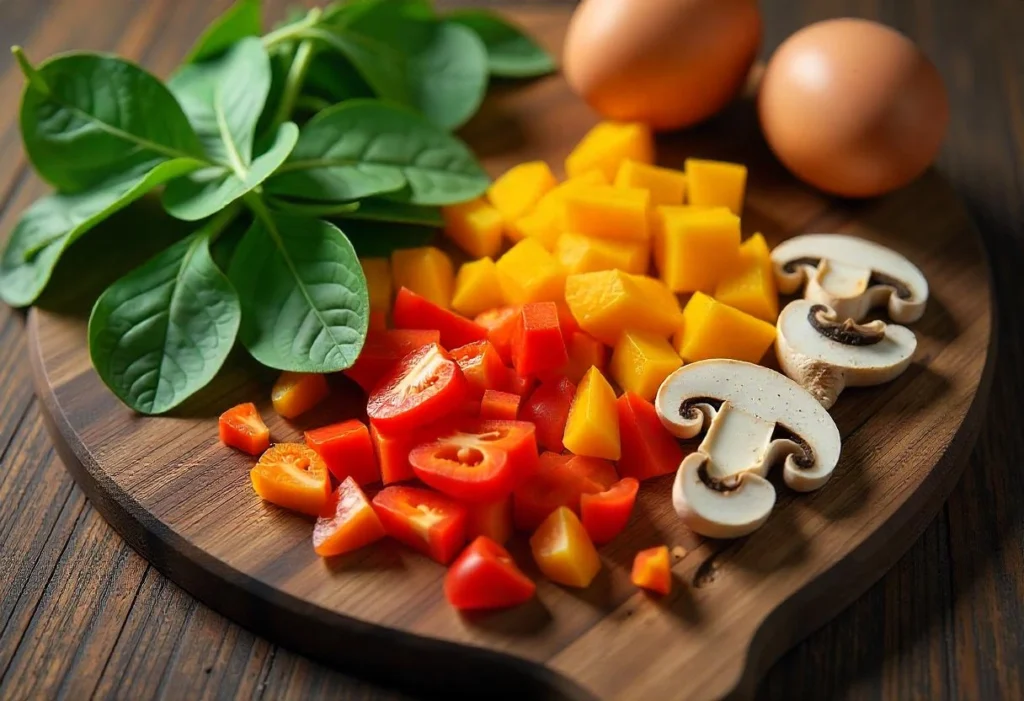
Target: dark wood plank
x,y
876,645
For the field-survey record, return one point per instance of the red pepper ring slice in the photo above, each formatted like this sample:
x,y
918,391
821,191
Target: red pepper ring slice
x,y
479,460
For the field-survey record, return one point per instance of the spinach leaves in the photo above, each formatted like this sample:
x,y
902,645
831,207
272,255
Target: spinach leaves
x,y
377,85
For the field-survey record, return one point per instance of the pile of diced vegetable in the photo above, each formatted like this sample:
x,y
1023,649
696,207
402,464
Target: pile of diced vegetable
x,y
518,391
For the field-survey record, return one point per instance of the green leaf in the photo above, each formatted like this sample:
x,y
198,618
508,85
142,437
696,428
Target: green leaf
x,y
52,223
380,210
379,239
223,99
334,78
379,64
342,14
316,210
243,19
304,301
206,192
364,147
511,53
446,64
97,117
160,334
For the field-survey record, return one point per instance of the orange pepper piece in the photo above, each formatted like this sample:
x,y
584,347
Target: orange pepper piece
x,y
296,393
348,522
293,476
242,427
499,405
563,550
652,570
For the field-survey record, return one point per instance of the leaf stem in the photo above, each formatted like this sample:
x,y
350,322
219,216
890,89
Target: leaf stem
x,y
293,82
32,75
221,221
292,31
317,210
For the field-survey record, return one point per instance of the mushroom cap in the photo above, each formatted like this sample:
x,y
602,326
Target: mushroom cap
x,y
863,365
716,514
847,255
767,395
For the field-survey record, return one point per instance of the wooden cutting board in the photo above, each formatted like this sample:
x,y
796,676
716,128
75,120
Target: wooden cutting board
x,y
185,502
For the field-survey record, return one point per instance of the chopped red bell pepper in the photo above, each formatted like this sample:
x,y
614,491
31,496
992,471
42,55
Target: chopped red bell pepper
x,y
606,513
415,312
393,454
347,449
424,520
519,385
499,405
347,523
585,352
378,320
482,366
382,352
479,460
566,321
242,427
548,409
490,518
486,577
500,324
648,449
537,345
425,386
652,570
560,480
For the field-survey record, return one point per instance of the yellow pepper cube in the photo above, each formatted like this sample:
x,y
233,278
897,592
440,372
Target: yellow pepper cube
x,y
529,273
667,187
477,288
587,254
608,212
592,428
427,271
750,286
542,224
378,282
641,361
694,249
475,227
608,302
716,184
715,330
607,145
658,294
563,550
517,192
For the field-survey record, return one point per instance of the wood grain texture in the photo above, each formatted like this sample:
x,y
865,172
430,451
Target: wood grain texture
x,y
933,628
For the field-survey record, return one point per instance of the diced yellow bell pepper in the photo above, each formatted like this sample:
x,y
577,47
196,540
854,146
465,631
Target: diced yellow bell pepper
x,y
715,330
295,393
543,225
658,294
716,184
641,361
694,249
529,273
608,212
474,226
667,187
477,288
658,218
427,271
517,192
563,551
378,282
587,254
608,302
750,285
607,145
593,425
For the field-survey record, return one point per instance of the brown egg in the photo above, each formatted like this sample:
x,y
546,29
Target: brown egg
x,y
853,107
668,63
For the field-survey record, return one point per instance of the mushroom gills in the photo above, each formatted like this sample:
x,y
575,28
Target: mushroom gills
x,y
825,362
850,275
721,514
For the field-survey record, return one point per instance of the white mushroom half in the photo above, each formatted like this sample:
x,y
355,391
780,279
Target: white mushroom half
x,y
825,354
851,275
755,418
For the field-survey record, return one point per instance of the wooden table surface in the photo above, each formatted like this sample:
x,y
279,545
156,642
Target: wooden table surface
x,y
82,615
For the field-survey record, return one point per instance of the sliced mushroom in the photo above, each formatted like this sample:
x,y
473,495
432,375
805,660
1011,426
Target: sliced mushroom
x,y
825,355
851,275
755,418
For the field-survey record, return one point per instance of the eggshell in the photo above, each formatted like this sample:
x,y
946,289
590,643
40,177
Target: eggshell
x,y
668,63
853,107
